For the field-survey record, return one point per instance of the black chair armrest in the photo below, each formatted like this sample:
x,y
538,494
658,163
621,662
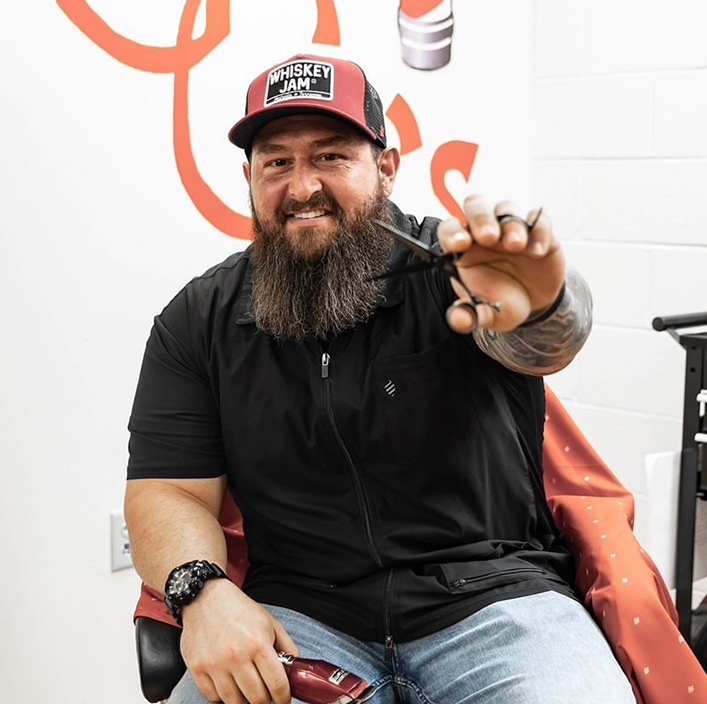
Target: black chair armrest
x,y
158,657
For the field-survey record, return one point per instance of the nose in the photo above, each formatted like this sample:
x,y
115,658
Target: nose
x,y
304,181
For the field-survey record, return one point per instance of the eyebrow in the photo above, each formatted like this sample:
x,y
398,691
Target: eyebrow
x,y
334,140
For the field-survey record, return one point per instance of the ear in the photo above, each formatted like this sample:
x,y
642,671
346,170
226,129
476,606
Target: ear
x,y
246,172
388,165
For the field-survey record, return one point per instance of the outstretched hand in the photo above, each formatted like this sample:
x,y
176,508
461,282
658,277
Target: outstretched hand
x,y
521,268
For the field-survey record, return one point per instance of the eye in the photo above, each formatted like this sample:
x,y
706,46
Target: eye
x,y
330,156
276,163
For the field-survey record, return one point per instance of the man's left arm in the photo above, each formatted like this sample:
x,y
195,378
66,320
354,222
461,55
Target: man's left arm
x,y
549,340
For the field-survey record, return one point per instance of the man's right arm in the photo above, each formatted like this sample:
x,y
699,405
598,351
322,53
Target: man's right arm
x,y
229,642
172,521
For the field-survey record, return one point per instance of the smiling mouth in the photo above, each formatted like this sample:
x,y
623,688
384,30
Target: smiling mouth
x,y
308,214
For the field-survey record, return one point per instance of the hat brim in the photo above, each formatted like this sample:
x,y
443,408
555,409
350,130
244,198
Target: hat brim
x,y
243,132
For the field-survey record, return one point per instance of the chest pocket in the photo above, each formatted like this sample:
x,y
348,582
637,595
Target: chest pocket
x,y
427,408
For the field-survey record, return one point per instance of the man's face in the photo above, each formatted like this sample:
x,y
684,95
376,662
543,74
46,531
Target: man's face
x,y
316,184
309,172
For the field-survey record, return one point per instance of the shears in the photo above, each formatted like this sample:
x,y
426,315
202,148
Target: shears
x,y
446,262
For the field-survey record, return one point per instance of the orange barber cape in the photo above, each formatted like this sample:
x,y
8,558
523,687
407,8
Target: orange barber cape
x,y
622,586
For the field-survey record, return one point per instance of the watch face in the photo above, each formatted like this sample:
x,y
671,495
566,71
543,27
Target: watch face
x,y
181,581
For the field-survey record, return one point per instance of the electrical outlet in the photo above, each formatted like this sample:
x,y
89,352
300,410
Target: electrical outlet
x,y
120,543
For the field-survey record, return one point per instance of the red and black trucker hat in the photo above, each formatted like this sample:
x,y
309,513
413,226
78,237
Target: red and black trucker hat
x,y
311,84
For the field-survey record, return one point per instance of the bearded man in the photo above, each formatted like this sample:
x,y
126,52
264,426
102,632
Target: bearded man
x,y
387,465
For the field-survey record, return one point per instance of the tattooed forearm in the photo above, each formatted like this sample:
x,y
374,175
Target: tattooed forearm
x,y
549,345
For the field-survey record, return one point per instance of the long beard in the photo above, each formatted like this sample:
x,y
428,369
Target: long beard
x,y
298,292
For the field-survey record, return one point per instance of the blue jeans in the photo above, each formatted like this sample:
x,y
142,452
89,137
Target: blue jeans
x,y
538,649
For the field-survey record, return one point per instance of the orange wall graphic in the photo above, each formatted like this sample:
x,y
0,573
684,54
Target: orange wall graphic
x,y
188,51
451,156
400,114
327,30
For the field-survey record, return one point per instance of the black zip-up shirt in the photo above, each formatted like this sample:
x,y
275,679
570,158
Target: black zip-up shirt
x,y
390,482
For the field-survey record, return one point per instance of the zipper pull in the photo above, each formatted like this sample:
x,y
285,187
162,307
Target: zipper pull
x,y
389,645
325,365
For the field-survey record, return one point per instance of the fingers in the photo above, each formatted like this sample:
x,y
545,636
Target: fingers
x,y
273,673
481,221
464,318
502,228
492,285
542,240
206,686
453,236
480,226
514,230
227,690
260,681
263,681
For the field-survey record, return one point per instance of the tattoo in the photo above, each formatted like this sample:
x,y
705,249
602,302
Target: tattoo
x,y
550,344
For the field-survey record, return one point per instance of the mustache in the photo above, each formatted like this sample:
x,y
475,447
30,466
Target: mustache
x,y
317,201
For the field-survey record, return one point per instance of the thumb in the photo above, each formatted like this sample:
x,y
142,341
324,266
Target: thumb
x,y
283,642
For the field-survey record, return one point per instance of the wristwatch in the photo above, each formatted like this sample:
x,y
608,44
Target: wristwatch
x,y
185,582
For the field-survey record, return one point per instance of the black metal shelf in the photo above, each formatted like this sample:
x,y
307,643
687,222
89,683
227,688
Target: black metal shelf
x,y
693,461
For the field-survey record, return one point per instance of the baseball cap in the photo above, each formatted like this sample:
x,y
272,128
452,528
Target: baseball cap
x,y
311,84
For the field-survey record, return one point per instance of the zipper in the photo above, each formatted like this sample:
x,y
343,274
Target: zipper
x,y
358,484
468,580
389,642
387,597
389,646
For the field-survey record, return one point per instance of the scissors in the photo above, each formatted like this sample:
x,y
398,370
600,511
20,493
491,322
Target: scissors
x,y
445,262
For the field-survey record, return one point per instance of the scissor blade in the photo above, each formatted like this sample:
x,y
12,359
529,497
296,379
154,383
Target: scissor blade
x,y
404,271
411,243
431,258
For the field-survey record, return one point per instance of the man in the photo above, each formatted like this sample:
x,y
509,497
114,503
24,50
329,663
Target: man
x,y
386,464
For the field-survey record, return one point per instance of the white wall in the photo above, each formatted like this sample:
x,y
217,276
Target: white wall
x,y
620,158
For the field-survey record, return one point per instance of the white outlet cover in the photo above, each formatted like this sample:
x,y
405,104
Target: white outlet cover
x,y
121,558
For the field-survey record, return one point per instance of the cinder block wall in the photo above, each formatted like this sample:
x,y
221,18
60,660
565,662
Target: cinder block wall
x,y
620,162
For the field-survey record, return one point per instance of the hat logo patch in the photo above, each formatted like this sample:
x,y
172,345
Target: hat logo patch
x,y
300,79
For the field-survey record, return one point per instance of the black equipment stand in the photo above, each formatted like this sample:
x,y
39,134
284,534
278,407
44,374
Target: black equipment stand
x,y
693,462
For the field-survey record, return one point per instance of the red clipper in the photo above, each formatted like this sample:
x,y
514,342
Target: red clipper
x,y
320,682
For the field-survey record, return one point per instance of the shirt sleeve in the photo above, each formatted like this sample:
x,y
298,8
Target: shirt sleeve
x,y
175,427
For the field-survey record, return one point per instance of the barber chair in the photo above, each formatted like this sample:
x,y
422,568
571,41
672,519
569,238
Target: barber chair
x,y
159,660
622,586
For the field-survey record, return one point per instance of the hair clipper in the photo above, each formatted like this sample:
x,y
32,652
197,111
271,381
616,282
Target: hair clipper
x,y
320,682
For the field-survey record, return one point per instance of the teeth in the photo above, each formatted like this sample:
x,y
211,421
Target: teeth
x,y
309,214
